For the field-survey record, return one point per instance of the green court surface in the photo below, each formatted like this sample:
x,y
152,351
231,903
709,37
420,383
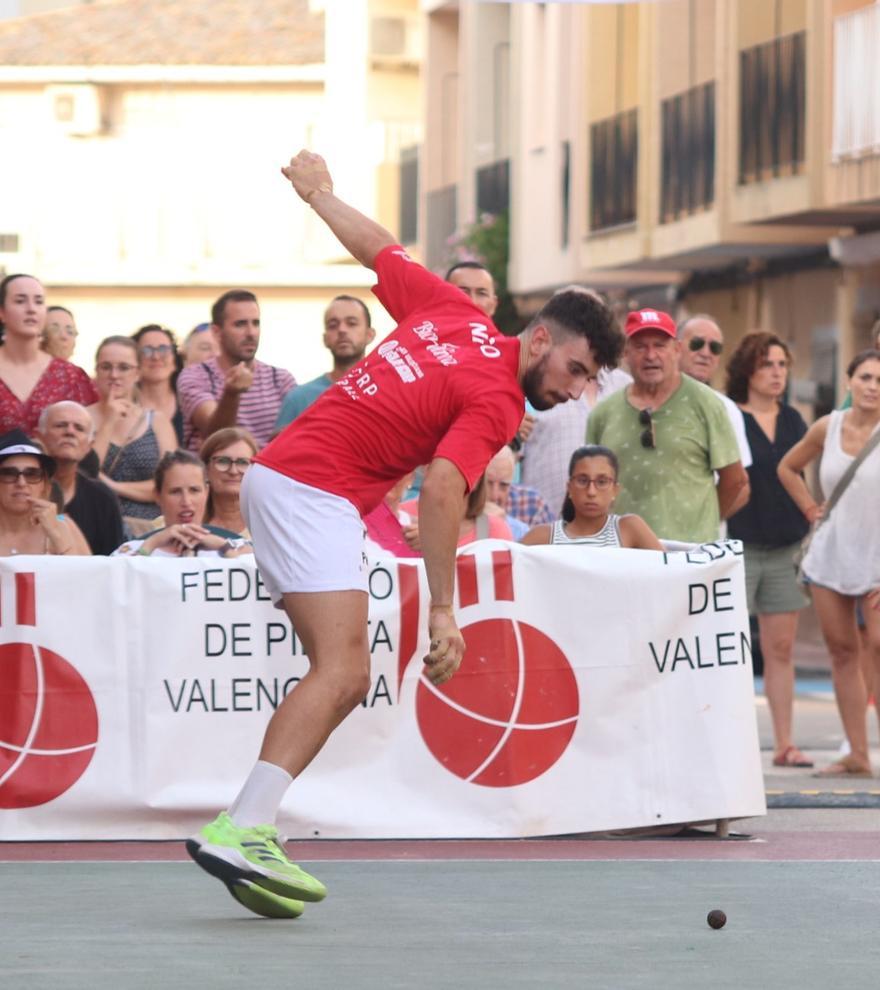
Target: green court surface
x,y
448,924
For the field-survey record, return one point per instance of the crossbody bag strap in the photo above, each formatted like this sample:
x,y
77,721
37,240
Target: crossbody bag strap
x,y
848,474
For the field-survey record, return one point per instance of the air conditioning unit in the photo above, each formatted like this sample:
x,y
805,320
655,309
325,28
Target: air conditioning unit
x,y
76,109
396,40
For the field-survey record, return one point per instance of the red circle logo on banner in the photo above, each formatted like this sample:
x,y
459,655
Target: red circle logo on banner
x,y
510,711
48,725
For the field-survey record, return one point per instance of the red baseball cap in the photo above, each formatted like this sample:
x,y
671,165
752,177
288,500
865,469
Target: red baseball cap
x,y
649,319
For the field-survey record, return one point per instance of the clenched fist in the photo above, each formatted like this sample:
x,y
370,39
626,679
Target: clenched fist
x,y
308,175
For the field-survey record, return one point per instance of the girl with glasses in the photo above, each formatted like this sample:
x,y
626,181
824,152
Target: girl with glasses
x,y
129,440
227,455
587,519
31,379
29,519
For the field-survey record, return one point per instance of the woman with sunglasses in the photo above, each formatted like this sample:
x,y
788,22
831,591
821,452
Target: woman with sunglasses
x,y
227,454
31,379
771,526
30,523
158,367
129,440
587,519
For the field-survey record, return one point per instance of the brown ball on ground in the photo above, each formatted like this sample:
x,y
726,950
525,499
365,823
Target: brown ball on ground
x,y
716,919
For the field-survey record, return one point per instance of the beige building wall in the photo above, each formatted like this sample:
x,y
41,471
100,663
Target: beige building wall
x,y
177,195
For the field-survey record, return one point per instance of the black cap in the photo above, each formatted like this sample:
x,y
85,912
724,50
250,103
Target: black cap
x,y
18,442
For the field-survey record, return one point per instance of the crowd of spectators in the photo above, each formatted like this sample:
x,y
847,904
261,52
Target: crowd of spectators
x,y
147,455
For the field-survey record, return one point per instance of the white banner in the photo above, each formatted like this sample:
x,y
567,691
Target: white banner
x,y
601,689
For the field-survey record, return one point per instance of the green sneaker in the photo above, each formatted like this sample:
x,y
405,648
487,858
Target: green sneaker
x,y
264,902
231,853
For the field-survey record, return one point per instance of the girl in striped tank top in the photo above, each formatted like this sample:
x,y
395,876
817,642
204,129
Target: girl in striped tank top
x,y
586,516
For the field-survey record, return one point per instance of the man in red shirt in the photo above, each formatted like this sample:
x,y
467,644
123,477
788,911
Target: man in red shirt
x,y
446,389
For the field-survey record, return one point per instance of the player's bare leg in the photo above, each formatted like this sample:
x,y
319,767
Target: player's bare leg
x,y
332,626
241,847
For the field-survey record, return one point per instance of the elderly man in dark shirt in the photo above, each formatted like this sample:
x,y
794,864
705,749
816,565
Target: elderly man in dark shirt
x,y
66,431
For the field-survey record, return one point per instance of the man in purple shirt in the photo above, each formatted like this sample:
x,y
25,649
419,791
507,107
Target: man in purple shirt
x,y
233,388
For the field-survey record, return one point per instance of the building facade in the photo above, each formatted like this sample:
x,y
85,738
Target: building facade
x,y
142,146
717,156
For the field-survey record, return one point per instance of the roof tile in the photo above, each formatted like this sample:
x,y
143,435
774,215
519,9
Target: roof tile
x,y
167,32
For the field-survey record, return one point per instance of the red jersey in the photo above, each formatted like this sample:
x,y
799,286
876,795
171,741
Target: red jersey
x,y
442,384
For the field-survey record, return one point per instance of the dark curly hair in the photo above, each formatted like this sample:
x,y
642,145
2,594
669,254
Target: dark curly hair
x,y
744,361
580,312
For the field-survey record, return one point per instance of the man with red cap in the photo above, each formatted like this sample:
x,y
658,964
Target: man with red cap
x,y
671,435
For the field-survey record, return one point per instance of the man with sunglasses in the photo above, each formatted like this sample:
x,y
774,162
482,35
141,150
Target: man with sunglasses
x,y
671,435
702,344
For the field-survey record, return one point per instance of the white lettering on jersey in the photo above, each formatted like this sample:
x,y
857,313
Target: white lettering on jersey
x,y
401,360
358,382
480,336
426,331
444,353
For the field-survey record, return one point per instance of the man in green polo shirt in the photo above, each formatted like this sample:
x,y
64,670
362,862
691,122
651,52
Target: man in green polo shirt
x,y
671,435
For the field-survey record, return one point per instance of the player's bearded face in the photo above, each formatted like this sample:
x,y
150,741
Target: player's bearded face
x,y
535,386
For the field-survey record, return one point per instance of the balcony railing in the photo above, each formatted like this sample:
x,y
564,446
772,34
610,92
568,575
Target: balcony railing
x,y
772,88
614,153
442,220
493,187
856,84
687,167
408,205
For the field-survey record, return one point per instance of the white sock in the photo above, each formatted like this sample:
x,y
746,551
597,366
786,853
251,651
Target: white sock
x,y
260,798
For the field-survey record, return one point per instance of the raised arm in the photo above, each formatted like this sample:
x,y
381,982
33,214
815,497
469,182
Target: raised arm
x,y
362,237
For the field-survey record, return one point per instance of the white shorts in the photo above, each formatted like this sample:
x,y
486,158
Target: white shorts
x,y
305,539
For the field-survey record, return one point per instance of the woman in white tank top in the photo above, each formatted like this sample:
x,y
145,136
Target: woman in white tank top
x,y
843,561
587,519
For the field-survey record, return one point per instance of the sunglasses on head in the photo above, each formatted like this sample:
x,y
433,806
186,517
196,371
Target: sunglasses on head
x,y
647,439
698,343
